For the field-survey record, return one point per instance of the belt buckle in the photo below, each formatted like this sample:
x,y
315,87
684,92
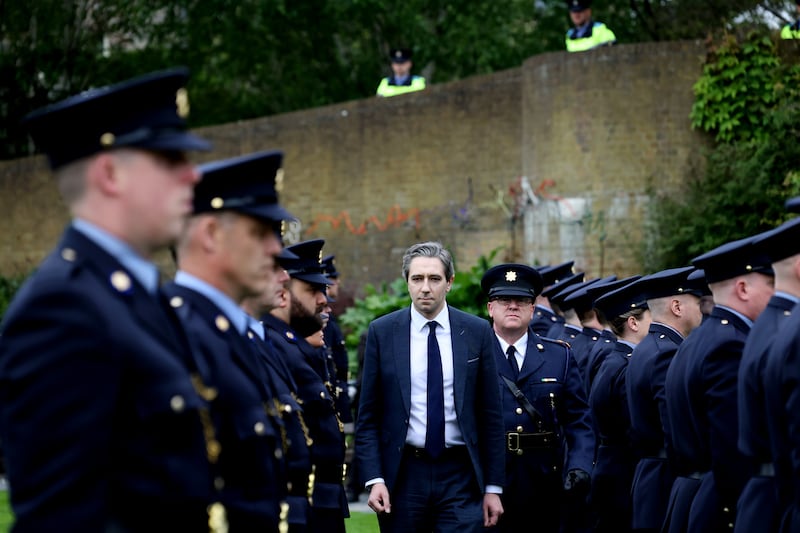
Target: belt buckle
x,y
512,441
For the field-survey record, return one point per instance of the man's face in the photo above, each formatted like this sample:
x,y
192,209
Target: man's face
x,y
333,288
248,247
762,288
510,314
401,70
579,18
155,190
691,313
427,285
307,305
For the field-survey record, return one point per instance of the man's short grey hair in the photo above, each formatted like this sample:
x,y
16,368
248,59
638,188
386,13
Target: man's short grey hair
x,y
429,249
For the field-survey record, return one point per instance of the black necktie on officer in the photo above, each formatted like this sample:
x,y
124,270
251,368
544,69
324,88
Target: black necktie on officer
x,y
512,360
434,437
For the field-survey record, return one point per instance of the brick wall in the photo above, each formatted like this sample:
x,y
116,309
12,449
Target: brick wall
x,y
591,133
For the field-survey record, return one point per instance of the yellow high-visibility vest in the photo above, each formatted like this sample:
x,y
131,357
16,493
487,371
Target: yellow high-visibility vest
x,y
387,89
600,35
791,31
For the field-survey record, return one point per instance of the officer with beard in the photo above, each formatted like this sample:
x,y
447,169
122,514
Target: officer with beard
x,y
298,317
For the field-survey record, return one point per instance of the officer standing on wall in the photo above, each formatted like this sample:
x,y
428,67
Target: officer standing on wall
x,y
103,424
401,81
543,405
792,31
586,33
288,326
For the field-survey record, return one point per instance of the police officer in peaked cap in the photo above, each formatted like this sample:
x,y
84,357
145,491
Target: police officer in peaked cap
x,y
544,407
102,416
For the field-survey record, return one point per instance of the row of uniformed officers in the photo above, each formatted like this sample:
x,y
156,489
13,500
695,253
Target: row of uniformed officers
x,y
690,382
206,403
212,402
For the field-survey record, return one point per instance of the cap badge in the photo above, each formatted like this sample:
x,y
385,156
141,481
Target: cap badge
x,y
320,257
217,202
107,139
182,102
511,276
120,281
398,54
279,180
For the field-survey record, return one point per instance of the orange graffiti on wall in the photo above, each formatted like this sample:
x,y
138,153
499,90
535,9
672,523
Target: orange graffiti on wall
x,y
394,218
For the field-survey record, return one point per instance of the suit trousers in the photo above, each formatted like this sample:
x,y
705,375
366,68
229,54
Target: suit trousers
x,y
435,495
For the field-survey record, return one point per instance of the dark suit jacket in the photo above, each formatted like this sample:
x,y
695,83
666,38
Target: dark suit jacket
x,y
386,388
98,416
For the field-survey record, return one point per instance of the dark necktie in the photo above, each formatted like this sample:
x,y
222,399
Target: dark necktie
x,y
434,437
512,361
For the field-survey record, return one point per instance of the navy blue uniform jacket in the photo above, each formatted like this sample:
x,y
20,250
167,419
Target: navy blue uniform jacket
x,y
98,415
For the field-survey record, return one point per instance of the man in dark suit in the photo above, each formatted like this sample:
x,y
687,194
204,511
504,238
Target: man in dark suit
x,y
429,435
701,391
228,253
101,416
674,303
550,416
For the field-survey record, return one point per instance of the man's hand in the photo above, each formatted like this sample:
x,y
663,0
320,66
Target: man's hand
x,y
379,499
492,509
577,483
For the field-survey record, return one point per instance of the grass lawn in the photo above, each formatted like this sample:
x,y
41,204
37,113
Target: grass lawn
x,y
357,523
362,523
5,512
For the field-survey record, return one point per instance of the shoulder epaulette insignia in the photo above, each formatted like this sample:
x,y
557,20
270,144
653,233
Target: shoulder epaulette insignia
x,y
176,302
724,322
290,335
120,281
68,254
222,323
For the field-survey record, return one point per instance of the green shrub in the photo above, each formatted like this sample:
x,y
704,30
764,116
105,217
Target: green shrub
x,y
8,288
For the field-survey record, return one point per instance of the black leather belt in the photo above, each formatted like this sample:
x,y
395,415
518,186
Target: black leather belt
x,y
766,470
528,441
448,453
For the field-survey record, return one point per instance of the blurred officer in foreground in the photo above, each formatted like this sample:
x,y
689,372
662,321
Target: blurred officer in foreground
x,y
586,33
544,316
101,421
226,254
674,303
701,391
288,326
401,81
543,405
758,508
625,309
337,351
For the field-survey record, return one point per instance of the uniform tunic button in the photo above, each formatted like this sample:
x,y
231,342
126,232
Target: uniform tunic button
x,y
259,428
177,403
725,510
519,429
322,394
518,410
